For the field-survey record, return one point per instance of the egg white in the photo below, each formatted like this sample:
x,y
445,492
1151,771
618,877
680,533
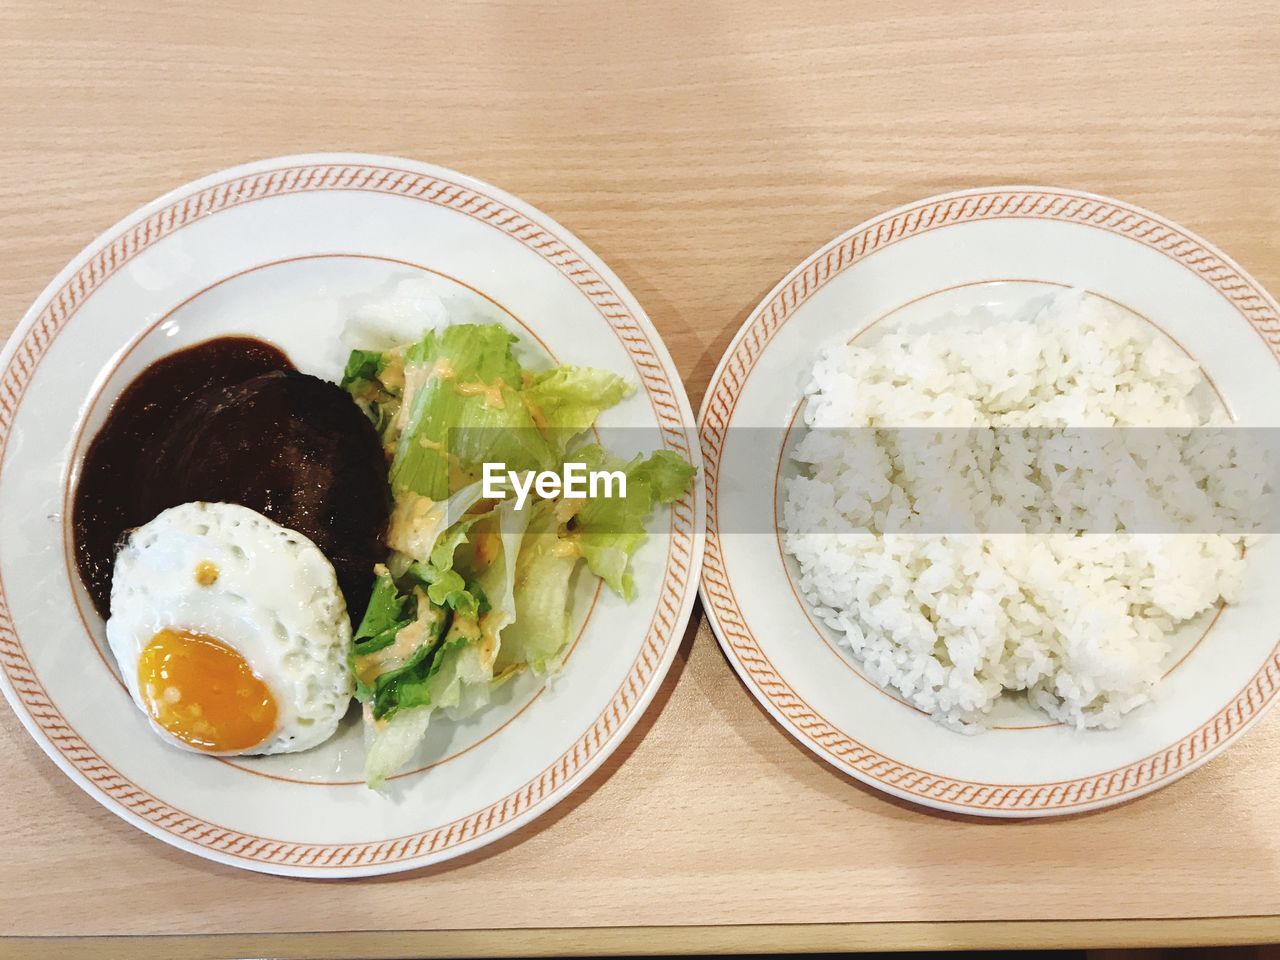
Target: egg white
x,y
276,601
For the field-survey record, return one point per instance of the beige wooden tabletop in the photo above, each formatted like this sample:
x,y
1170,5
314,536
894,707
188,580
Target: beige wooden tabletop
x,y
702,150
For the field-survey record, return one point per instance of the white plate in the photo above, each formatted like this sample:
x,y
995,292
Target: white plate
x,y
991,246
282,249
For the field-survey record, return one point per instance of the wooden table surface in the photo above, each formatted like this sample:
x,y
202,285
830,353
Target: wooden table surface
x,y
702,151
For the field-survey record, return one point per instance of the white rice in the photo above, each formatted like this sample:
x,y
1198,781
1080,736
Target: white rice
x,y
952,622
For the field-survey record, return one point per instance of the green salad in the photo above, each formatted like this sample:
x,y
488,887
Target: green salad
x,y
475,590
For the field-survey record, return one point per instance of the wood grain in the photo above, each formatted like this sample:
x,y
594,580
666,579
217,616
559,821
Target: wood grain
x,y
701,150
775,939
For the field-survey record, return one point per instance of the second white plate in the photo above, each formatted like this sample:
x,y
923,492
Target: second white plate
x,y
992,247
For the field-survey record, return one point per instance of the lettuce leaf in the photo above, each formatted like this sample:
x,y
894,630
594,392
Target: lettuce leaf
x,y
565,401
462,684
391,747
544,572
465,679
499,579
366,379
389,612
609,530
457,506
395,688
415,525
411,685
667,474
361,365
382,674
464,408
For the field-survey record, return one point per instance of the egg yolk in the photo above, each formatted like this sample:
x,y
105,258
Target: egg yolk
x,y
204,692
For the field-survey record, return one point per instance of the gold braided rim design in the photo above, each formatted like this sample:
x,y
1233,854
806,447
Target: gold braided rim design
x,y
124,796
737,638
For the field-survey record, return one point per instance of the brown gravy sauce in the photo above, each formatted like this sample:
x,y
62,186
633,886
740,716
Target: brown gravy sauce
x,y
230,420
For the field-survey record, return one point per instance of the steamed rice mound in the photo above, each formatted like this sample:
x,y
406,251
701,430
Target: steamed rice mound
x,y
952,622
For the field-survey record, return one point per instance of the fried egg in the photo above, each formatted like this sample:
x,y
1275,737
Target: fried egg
x,y
230,631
